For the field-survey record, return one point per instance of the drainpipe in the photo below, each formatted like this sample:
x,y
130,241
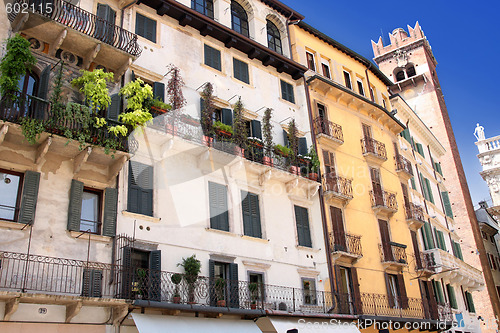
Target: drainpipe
x,y
320,193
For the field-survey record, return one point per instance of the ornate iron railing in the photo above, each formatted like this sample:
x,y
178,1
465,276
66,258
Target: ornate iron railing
x,y
323,126
336,184
393,252
374,147
444,312
384,199
85,22
403,164
55,120
348,243
392,306
425,261
414,212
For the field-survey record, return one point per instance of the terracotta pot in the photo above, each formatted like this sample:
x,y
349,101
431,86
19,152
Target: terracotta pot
x,y
268,161
221,303
176,299
223,133
158,110
171,129
294,170
253,306
239,151
313,176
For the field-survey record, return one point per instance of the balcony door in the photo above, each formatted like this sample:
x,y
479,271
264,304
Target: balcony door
x,y
386,240
141,276
367,136
338,230
406,198
105,25
224,283
323,119
330,172
348,296
378,195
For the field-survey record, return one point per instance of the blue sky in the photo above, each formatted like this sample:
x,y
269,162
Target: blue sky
x,y
464,41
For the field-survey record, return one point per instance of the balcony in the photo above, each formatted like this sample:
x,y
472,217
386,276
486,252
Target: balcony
x,y
328,133
403,168
384,202
393,255
374,151
382,305
65,26
425,264
337,188
456,270
414,216
345,248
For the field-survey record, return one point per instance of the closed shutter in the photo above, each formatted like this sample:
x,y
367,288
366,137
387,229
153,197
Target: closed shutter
x,y
234,292
212,57
356,292
420,149
447,204
303,146
406,135
219,216
240,70
418,259
43,84
159,91
303,231
287,92
286,142
29,197
438,290
145,27
390,296
338,229
429,190
92,283
470,302
140,188
75,205
105,24
377,186
211,282
251,214
256,128
227,117
427,236
402,291
451,296
127,273
406,198
441,240
110,212
115,107
367,132
155,275
413,185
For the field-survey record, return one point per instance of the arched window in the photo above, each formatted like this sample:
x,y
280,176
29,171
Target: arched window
x,y
28,84
205,7
239,18
400,75
273,37
410,71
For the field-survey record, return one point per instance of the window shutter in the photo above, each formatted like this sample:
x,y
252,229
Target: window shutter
x,y
29,197
247,219
75,205
256,129
303,146
219,216
447,204
429,190
234,299
127,273
255,213
420,149
140,22
285,139
459,252
92,283
237,69
402,291
251,214
115,107
303,231
356,291
413,185
227,116
390,298
140,188
159,91
150,28
155,275
43,84
428,286
451,296
428,236
439,292
110,212
470,302
211,281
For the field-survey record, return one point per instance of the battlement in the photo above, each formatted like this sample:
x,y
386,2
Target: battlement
x,y
399,37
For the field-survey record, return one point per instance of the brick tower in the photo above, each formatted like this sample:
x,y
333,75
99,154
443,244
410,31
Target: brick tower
x,y
409,62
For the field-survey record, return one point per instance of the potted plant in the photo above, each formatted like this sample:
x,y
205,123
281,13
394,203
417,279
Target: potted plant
x,y
220,286
252,287
138,286
282,150
222,129
158,107
256,142
176,279
267,129
192,268
239,129
314,165
294,146
207,110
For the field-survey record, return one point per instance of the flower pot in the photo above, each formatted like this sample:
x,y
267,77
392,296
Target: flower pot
x,y
221,303
207,141
176,299
239,151
253,306
157,110
280,153
294,170
313,176
268,161
171,129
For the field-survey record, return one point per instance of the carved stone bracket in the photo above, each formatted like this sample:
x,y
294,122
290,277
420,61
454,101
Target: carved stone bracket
x,y
119,313
72,310
291,185
115,168
10,307
56,44
265,176
81,158
3,132
43,149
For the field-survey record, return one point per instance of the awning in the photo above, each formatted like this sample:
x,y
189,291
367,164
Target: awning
x,y
176,324
306,325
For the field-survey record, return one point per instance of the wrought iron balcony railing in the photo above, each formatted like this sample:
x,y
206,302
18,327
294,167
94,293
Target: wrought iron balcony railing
x,y
374,147
403,165
384,199
425,261
392,306
393,253
347,243
340,186
414,212
85,22
328,128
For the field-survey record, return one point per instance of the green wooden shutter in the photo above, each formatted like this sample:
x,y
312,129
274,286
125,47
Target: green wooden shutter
x,y
438,291
110,212
29,197
286,142
159,91
140,22
406,135
75,205
92,283
459,251
413,185
140,188
115,107
212,57
428,240
211,281
470,302
151,30
127,274
447,204
234,299
219,216
428,188
43,84
303,146
251,214
451,296
227,116
256,127
303,231
155,276
420,149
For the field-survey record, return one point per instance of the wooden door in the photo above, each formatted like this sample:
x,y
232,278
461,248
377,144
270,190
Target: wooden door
x,y
338,229
330,173
377,187
386,239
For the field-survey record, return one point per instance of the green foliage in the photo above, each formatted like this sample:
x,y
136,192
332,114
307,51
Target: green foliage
x,y
55,97
207,110
239,128
160,105
294,141
16,61
32,128
135,118
220,285
267,129
93,86
174,88
118,130
192,267
101,122
223,127
314,160
176,278
136,92
285,151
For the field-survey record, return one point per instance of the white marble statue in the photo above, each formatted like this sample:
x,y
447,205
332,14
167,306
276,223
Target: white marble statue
x,y
479,132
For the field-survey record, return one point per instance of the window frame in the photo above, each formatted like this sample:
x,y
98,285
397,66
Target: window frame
x,y
212,49
235,60
274,37
311,60
155,41
347,74
361,87
290,95
19,194
235,7
206,11
100,210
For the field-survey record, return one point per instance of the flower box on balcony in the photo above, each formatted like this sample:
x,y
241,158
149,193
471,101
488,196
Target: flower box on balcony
x,y
207,141
187,119
222,129
282,150
256,142
157,110
295,170
313,176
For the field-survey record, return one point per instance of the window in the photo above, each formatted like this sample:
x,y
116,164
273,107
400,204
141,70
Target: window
x,y
451,296
310,61
91,211
309,288
438,292
287,92
273,37
469,302
427,189
223,278
239,18
400,75
240,70
206,7
347,80
145,27
105,31
257,280
212,58
326,68
251,214
28,84
303,231
18,196
361,90
420,149
140,189
392,290
410,70
219,216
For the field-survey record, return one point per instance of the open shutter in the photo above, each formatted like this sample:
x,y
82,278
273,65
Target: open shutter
x,y
459,251
256,129
29,197
451,296
338,229
390,297
356,292
127,273
285,139
413,185
303,146
431,298
234,292
43,84
438,292
159,91
110,212
447,204
75,205
115,107
385,240
155,276
227,117
402,292
429,190
418,259
211,281
255,215
247,218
